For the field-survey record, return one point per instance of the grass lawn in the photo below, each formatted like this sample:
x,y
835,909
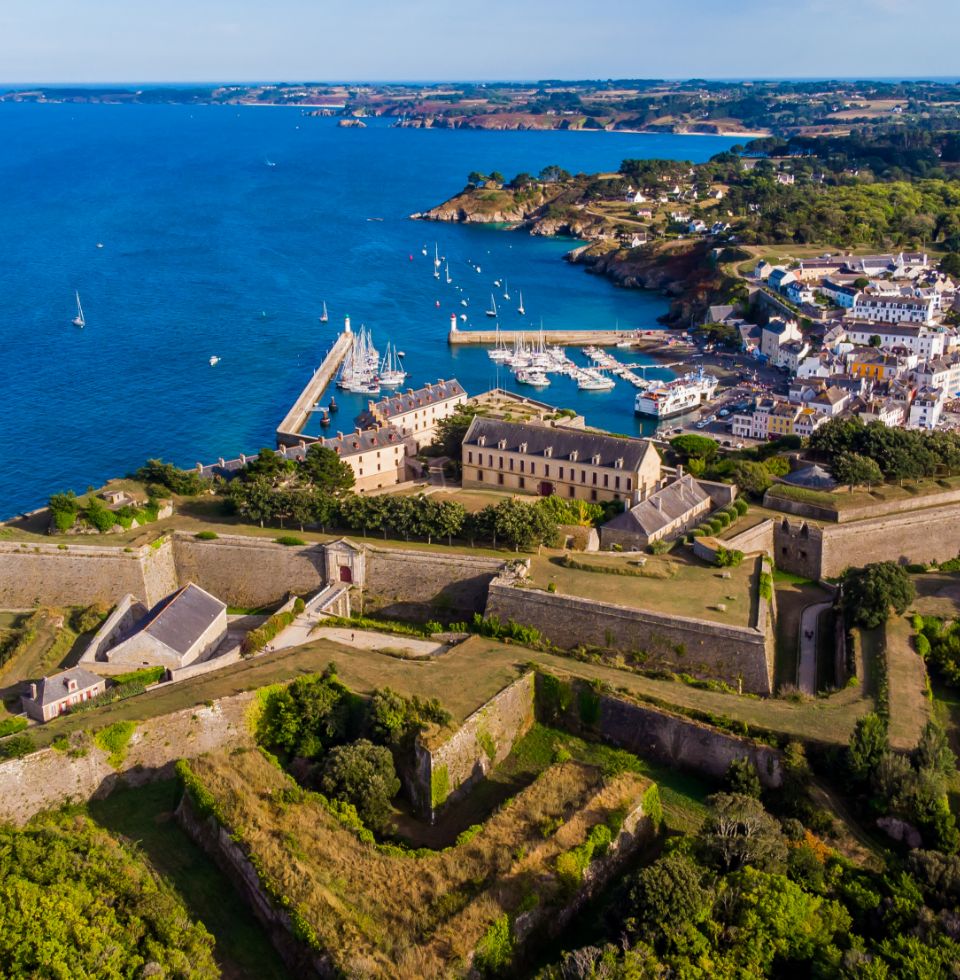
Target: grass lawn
x,y
946,708
842,500
938,594
145,816
673,584
907,679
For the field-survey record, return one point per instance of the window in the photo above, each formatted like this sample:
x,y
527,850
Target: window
x,y
490,460
521,465
571,491
500,462
470,457
480,476
583,476
533,467
606,479
511,465
594,480
629,483
500,479
546,469
616,482
593,494
561,472
523,483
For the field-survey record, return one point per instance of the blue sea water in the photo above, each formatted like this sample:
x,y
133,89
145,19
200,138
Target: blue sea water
x,y
209,250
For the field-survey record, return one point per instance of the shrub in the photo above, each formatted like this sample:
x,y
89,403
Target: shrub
x,y
146,675
258,638
290,541
206,535
728,557
766,585
17,746
741,506
494,952
922,645
10,726
298,606
114,740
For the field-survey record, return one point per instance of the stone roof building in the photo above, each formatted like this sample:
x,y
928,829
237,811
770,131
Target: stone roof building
x,y
57,694
664,515
573,463
181,629
415,414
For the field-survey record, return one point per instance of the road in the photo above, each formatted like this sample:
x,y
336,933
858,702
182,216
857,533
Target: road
x,y
807,663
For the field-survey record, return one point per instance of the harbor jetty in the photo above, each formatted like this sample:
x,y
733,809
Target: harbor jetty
x,y
288,431
592,338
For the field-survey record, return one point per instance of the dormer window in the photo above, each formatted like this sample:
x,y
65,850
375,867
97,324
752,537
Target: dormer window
x,y
619,463
574,456
523,447
548,452
71,685
596,459
502,444
481,440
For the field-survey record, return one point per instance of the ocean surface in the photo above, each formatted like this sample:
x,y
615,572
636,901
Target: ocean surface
x,y
224,229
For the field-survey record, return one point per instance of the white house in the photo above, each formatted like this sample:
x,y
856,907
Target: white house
x,y
926,409
917,338
790,354
57,694
894,308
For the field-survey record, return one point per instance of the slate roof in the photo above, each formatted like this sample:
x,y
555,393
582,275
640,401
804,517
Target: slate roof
x,y
55,688
179,620
560,441
662,508
410,400
811,477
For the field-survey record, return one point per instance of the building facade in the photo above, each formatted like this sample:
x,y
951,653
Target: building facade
x,y
416,414
572,463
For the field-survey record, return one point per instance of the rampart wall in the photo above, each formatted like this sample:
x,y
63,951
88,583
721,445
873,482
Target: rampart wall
x,y
653,733
447,770
248,571
700,647
420,585
849,515
73,574
49,778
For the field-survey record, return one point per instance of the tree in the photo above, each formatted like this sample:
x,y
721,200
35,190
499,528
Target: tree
x,y
933,750
741,777
553,174
183,482
700,447
666,897
753,478
324,468
475,178
450,519
267,464
950,264
868,742
521,181
497,177
363,774
448,440
856,470
64,508
869,593
740,832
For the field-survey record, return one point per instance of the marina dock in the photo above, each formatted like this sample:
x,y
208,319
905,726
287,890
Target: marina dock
x,y
595,338
288,431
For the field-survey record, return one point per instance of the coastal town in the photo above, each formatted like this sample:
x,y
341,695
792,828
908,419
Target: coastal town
x,y
609,630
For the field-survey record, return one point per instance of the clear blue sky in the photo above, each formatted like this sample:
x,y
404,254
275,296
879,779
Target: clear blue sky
x,y
209,40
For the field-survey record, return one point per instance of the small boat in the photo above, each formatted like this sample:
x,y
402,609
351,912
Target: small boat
x,y
323,315
99,244
436,256
532,376
438,304
496,283
78,320
424,250
463,302
594,381
506,290
214,360
478,268
493,306
269,163
520,308
446,269
463,316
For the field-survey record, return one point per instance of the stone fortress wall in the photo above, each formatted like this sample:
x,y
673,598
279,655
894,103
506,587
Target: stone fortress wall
x,y
445,772
700,647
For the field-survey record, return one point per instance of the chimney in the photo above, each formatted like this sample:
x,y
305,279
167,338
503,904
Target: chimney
x,y
33,692
680,471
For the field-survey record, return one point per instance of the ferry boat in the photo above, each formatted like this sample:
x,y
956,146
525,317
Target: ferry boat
x,y
676,397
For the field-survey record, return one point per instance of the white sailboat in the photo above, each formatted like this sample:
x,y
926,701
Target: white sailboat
x,y
493,306
520,308
323,315
78,320
436,256
392,374
506,289
446,269
500,351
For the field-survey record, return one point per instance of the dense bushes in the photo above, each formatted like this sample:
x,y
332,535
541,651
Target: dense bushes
x,y
938,642
258,638
869,593
76,903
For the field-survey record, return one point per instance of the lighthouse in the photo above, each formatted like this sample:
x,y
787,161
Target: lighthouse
x,y
453,323
346,323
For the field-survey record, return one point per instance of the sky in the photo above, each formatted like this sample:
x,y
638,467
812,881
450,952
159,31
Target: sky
x,y
91,41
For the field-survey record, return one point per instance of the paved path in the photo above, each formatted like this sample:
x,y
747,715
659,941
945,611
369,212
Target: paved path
x,y
807,664
306,629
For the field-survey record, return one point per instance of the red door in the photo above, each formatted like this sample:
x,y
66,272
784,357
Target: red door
x,y
345,574
546,489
